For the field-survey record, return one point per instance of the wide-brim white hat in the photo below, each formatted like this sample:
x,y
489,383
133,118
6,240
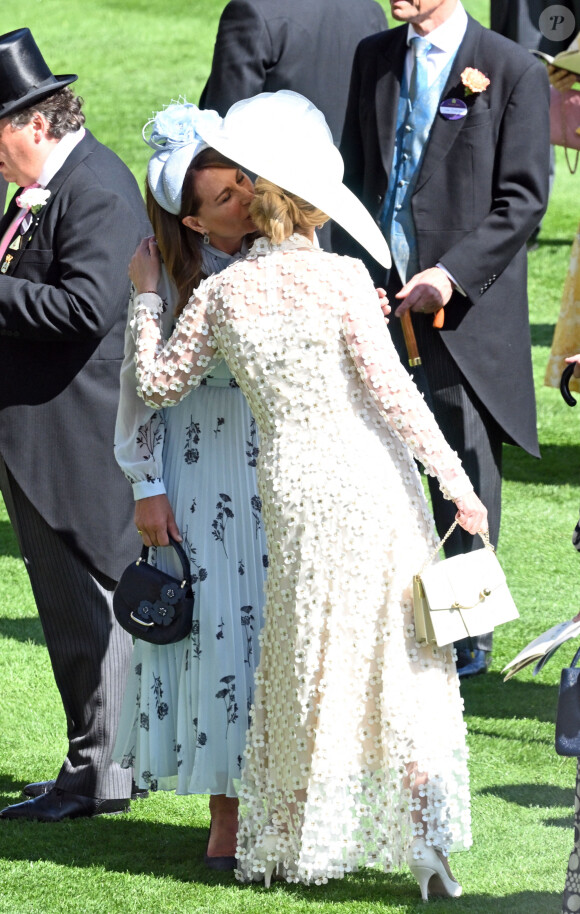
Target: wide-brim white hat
x,y
283,137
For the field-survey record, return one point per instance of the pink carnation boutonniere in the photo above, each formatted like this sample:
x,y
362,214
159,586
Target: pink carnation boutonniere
x,y
474,81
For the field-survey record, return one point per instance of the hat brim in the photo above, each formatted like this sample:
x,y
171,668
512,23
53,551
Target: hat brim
x,y
264,135
342,206
44,90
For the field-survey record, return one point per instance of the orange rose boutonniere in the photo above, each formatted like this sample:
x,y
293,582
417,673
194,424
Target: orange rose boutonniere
x,y
474,81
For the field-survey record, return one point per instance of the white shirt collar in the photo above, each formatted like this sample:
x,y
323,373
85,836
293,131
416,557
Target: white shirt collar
x,y
59,155
448,36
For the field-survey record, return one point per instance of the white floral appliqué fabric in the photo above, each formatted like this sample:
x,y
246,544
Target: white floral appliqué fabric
x,y
357,742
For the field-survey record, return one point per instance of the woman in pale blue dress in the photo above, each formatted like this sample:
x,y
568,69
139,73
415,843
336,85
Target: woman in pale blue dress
x,y
192,468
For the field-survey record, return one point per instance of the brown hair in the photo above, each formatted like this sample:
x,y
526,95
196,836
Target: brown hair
x,y
277,213
180,247
62,111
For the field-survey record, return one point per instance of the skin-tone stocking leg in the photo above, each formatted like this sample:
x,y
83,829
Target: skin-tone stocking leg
x,y
224,826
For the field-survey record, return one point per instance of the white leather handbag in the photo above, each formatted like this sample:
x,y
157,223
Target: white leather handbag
x,y
462,596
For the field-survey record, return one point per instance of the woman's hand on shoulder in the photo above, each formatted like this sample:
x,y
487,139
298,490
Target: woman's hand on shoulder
x,y
145,266
384,302
154,520
471,513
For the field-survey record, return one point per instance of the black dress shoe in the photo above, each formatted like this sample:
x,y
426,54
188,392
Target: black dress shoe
x,y
39,788
479,664
57,805
464,656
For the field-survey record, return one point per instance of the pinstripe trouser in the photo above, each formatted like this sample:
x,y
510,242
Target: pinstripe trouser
x,y
90,653
470,430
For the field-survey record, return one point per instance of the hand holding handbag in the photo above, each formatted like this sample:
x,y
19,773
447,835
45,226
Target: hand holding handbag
x,y
153,605
462,596
568,716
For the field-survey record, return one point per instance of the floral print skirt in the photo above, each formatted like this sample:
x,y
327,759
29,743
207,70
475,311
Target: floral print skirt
x,y
571,900
186,707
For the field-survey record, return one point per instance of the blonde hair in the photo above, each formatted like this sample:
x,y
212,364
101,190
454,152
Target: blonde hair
x,y
277,213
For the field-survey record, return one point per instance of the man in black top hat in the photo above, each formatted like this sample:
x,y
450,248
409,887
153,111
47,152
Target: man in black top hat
x,y
65,244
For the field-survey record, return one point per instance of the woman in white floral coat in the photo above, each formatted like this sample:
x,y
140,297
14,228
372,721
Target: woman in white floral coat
x,y
356,754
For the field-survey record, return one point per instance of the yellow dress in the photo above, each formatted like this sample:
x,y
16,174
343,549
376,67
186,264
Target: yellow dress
x,y
567,333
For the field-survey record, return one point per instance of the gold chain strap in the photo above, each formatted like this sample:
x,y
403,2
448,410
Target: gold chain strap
x,y
484,536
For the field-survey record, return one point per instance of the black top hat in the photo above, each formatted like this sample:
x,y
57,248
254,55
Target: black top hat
x,y
24,75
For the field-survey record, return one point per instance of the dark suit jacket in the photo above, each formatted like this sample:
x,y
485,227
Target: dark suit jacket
x,y
63,306
481,189
303,45
520,21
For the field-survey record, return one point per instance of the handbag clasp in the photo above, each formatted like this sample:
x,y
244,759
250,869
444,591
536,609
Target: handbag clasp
x,y
486,592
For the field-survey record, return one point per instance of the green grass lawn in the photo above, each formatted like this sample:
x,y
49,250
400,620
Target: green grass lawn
x,y
133,57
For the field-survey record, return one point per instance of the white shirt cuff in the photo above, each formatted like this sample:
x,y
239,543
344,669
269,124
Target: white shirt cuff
x,y
453,280
146,488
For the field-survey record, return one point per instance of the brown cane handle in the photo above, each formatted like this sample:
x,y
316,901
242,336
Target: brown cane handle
x,y
439,319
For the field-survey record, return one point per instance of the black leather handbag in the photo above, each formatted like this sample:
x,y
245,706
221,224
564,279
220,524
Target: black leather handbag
x,y
568,717
151,604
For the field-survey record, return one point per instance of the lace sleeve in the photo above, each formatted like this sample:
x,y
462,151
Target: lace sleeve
x,y
167,370
399,402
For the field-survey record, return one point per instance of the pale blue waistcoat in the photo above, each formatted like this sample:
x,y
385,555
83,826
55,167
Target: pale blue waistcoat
x,y
413,128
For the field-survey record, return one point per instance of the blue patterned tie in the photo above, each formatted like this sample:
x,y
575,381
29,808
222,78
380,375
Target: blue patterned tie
x,y
414,124
419,83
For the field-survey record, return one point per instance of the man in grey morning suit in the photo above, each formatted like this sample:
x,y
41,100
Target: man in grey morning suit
x,y
64,292
460,178
303,45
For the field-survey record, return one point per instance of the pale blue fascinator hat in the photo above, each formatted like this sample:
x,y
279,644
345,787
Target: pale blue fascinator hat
x,y
174,134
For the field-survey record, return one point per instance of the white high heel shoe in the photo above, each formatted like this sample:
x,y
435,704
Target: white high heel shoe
x,y
427,864
267,849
